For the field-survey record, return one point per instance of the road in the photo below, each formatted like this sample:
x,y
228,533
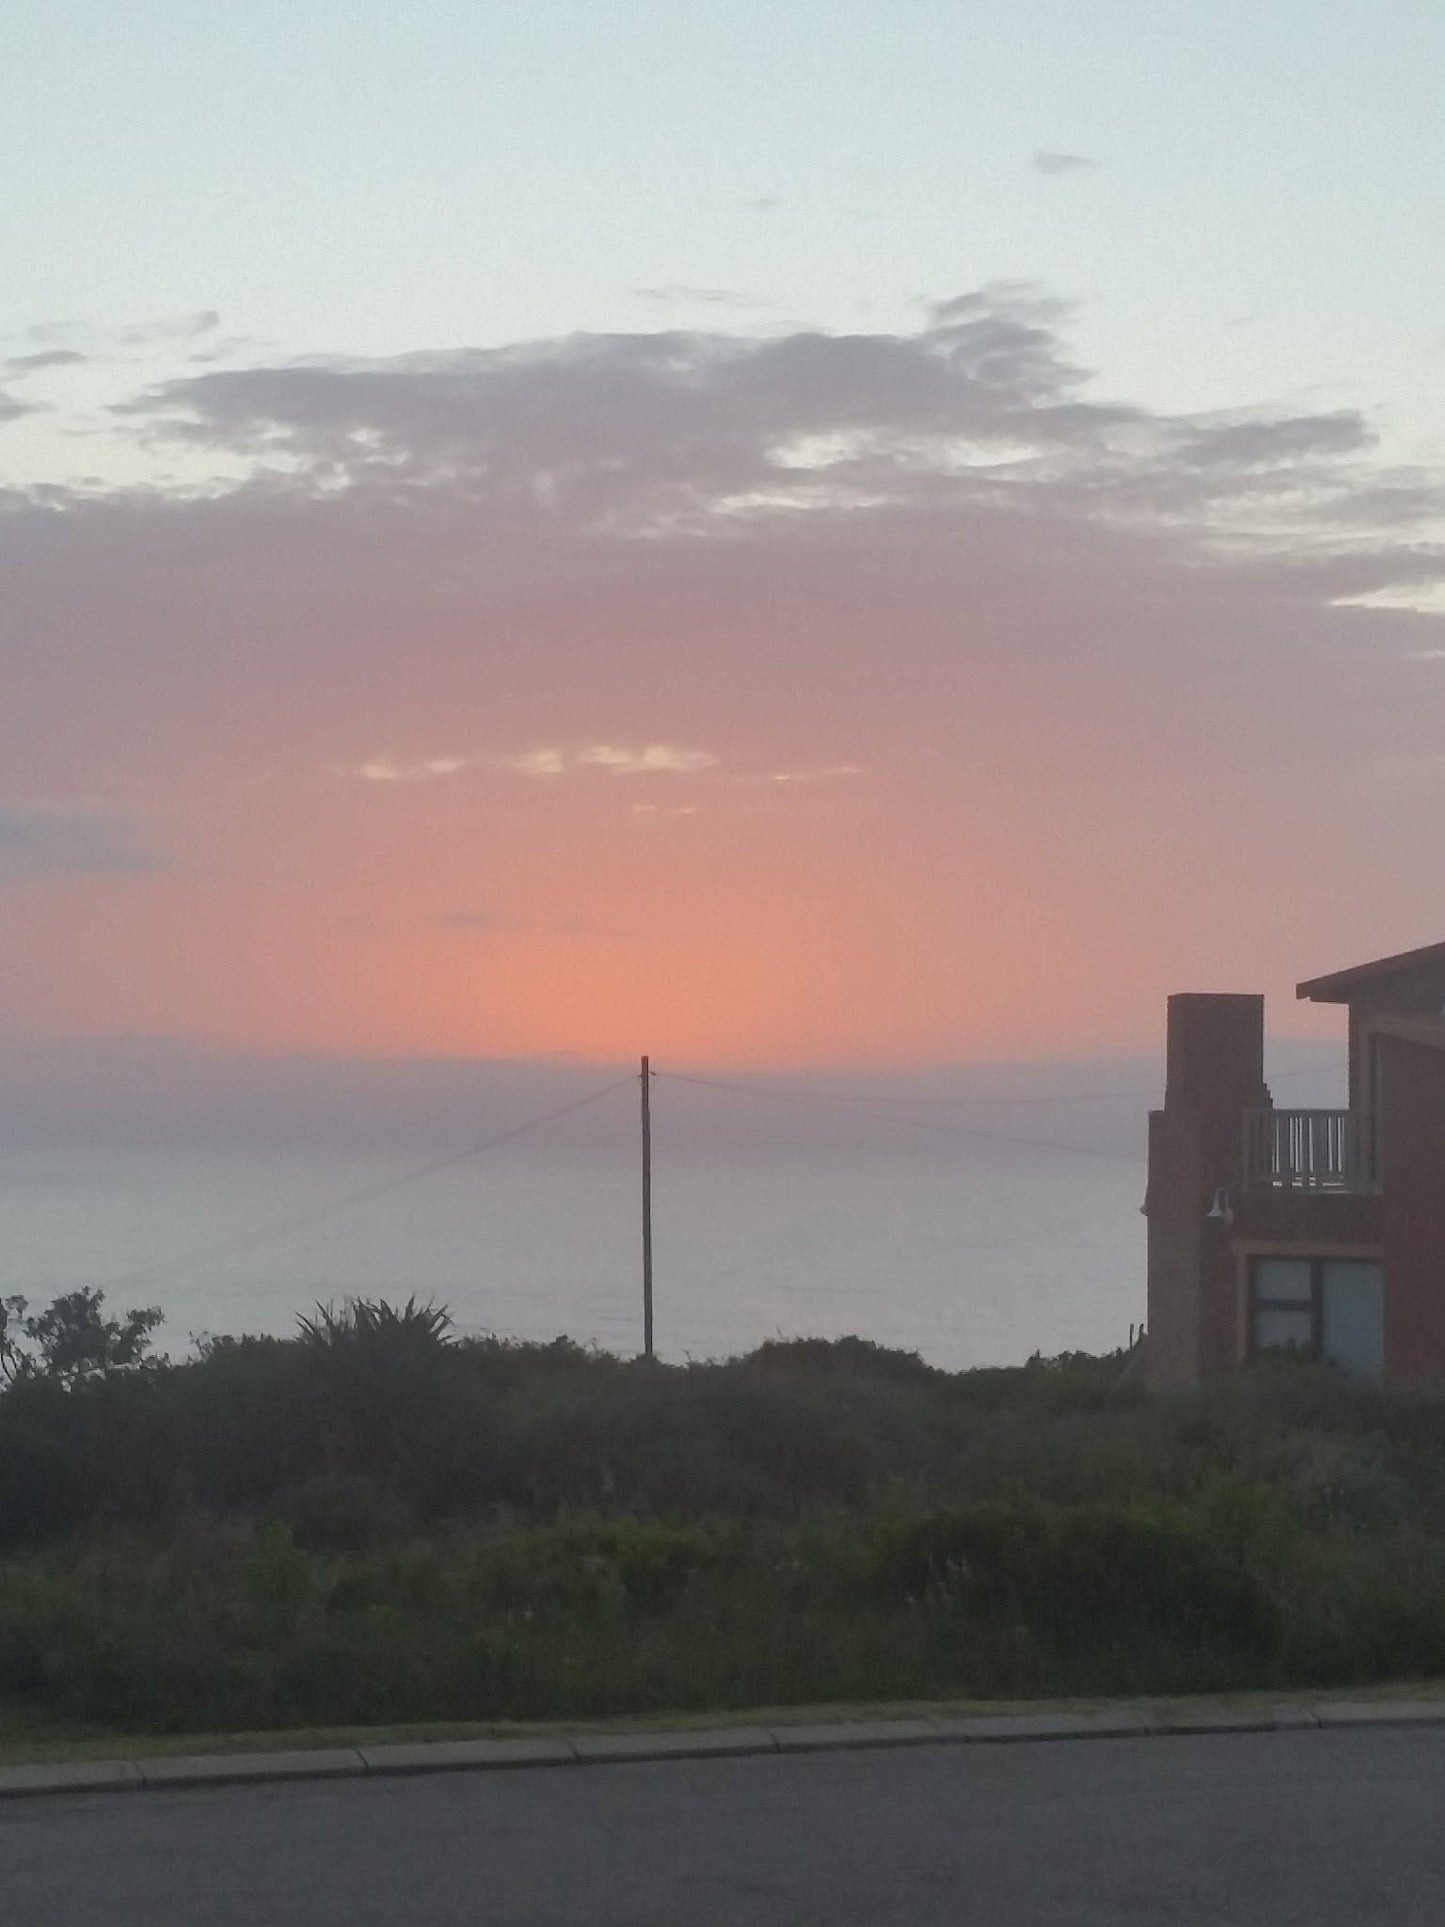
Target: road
x,y
1323,1829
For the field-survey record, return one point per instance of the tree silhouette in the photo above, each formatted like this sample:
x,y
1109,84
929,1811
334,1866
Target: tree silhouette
x,y
72,1339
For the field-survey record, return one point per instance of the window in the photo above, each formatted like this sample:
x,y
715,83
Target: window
x,y
1286,1316
1332,1308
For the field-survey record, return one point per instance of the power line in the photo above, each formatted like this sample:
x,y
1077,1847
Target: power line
x,y
303,1220
848,1108
840,1103
1140,1092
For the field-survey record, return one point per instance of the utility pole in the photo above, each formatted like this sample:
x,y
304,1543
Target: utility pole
x,y
646,1209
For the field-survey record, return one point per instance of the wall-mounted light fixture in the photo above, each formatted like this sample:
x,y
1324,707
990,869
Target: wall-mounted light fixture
x,y
1221,1211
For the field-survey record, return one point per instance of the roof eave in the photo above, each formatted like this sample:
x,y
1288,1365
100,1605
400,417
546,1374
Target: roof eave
x,y
1337,987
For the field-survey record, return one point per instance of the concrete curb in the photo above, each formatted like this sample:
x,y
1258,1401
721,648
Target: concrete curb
x,y
736,1742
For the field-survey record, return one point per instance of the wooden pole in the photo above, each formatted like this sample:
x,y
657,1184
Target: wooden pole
x,y
646,1209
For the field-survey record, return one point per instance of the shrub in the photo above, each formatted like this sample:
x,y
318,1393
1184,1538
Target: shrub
x,y
858,1356
1081,1576
342,1512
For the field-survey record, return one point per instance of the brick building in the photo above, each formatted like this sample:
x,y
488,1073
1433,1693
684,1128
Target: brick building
x,y
1323,1230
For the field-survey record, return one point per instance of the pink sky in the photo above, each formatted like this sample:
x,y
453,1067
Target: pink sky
x,y
892,699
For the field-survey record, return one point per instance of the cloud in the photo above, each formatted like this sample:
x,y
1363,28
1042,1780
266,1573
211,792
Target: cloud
x,y
652,759
387,769
979,414
42,359
537,763
1263,442
81,340
1055,160
51,839
681,292
836,772
184,327
680,413
11,409
165,328
657,759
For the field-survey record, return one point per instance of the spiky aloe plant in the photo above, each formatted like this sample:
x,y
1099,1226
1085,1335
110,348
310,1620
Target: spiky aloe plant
x,y
378,1368
362,1324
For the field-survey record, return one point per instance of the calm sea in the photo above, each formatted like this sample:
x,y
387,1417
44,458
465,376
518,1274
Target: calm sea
x,y
976,1256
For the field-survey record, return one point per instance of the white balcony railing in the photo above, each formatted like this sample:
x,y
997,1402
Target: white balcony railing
x,y
1309,1151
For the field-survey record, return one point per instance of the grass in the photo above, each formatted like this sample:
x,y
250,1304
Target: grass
x,y
238,1626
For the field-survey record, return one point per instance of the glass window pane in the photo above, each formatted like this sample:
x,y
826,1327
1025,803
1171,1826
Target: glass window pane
x,y
1293,1328
1354,1316
1282,1278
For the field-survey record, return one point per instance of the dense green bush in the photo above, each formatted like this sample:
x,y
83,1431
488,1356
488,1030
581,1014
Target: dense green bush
x,y
1080,1575
237,1626
378,1520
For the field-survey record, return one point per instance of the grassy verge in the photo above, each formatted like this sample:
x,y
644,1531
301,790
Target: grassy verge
x,y
26,1742
239,1627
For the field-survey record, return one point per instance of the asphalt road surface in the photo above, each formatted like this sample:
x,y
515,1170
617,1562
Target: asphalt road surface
x,y
1324,1829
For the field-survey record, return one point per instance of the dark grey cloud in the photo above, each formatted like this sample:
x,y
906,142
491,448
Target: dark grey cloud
x,y
11,410
1057,160
980,410
59,839
650,425
1264,440
982,359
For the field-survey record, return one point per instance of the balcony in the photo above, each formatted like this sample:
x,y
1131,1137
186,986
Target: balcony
x,y
1310,1151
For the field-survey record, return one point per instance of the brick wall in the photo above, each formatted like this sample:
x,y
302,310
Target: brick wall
x,y
1215,1071
1413,1164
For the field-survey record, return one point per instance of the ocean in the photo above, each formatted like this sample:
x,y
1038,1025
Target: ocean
x,y
973,1253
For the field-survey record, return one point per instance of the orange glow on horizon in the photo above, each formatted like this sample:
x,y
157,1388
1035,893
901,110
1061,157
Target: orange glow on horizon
x,y
869,926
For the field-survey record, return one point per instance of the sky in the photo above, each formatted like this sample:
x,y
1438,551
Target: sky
x,y
787,536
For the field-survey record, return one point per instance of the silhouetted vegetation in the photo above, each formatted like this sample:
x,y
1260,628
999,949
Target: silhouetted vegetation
x,y
72,1338
379,1520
